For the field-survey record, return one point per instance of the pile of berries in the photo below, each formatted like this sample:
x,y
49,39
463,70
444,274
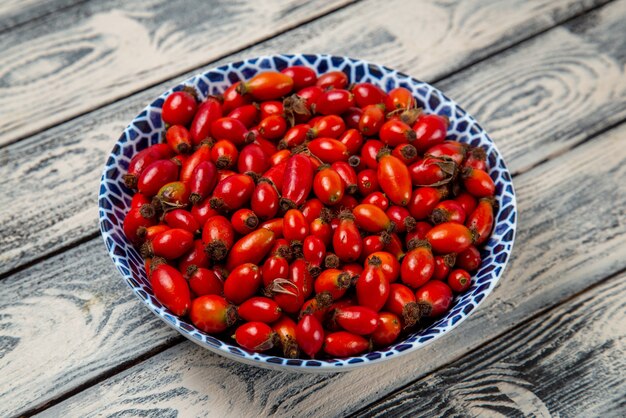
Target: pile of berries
x,y
300,214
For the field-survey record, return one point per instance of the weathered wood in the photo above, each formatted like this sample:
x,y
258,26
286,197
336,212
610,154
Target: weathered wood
x,y
111,48
54,175
569,362
562,248
64,322
17,12
83,57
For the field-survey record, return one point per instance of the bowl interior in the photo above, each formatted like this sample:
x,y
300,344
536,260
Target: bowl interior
x,y
146,129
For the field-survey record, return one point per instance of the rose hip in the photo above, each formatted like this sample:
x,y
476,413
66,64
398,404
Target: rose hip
x,y
259,309
297,181
344,344
388,329
212,314
459,280
218,236
179,107
171,289
203,281
256,336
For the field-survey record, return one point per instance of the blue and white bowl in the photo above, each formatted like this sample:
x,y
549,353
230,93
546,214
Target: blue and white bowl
x,y
147,129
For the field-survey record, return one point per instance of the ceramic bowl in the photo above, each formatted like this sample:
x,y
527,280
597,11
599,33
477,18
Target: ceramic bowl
x,y
147,129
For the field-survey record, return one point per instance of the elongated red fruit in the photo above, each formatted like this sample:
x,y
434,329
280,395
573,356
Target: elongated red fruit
x,y
302,76
418,265
252,159
256,336
233,192
394,179
297,181
328,186
372,288
345,344
347,241
242,283
264,201
357,319
212,314
267,85
371,218
180,218
218,236
285,328
177,137
310,335
232,130
329,150
450,237
203,181
169,244
171,289
156,175
203,153
204,281
208,112
251,249
481,220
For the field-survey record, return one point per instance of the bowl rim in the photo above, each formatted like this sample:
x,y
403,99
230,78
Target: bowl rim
x,y
325,365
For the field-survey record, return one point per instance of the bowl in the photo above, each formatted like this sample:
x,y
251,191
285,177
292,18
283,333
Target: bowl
x,y
146,129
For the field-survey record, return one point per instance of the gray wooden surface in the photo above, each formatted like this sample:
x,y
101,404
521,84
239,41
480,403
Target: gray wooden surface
x,y
546,79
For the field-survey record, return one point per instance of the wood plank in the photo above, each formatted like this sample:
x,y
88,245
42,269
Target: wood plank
x,y
112,48
562,248
17,12
569,362
57,200
64,322
84,57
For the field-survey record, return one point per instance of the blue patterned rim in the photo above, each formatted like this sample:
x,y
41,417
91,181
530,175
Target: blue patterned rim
x,y
146,129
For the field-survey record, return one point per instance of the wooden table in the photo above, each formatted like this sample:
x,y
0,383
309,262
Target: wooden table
x,y
545,77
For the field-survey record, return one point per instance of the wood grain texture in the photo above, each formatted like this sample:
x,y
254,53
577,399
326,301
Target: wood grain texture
x,y
562,248
66,320
54,175
17,12
86,56
110,49
570,362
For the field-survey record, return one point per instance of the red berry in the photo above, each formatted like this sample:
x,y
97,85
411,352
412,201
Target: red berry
x,y
179,108
344,344
256,336
171,289
259,309
434,298
357,319
204,281
388,329
243,282
310,335
459,280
